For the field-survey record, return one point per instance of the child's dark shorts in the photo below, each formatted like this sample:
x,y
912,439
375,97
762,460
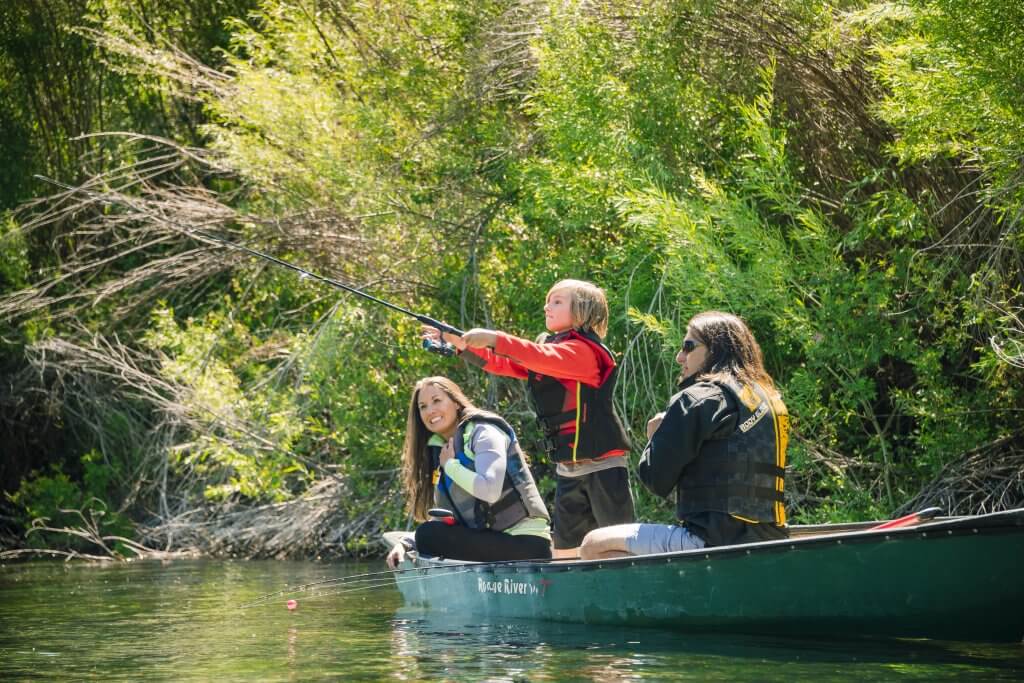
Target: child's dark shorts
x,y
587,502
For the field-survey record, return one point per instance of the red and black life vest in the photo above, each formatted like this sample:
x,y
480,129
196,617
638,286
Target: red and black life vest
x,y
595,427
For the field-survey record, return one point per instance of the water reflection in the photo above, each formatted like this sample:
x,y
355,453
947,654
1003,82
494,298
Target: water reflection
x,y
182,621
430,645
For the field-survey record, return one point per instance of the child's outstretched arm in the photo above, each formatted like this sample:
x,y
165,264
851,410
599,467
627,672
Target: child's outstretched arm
x,y
571,359
515,357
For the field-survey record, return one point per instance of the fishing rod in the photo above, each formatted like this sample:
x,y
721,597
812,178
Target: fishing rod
x,y
439,346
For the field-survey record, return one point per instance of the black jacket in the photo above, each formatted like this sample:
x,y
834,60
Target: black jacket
x,y
693,438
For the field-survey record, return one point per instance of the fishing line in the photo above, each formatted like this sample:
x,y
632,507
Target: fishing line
x,y
383,576
371,579
382,583
452,567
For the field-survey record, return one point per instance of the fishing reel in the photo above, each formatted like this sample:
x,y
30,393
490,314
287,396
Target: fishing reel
x,y
439,347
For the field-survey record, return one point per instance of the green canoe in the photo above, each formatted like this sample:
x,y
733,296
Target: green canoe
x,y
957,579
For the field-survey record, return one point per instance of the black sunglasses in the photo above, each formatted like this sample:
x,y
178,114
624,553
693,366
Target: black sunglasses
x,y
690,344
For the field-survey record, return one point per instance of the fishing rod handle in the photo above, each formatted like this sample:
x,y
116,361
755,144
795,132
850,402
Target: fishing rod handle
x,y
439,326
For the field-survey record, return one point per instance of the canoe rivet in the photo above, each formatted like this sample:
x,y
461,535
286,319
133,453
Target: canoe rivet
x,y
949,532
748,552
839,542
924,534
974,531
888,537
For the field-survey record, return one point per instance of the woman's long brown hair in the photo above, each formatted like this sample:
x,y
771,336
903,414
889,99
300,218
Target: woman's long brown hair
x,y
417,468
732,351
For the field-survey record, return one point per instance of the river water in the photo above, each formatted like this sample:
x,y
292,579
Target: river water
x,y
185,621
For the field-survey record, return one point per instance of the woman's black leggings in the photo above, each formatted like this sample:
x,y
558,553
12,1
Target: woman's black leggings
x,y
457,542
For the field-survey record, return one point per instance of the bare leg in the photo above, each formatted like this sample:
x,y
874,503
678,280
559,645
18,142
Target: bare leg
x,y
565,553
609,541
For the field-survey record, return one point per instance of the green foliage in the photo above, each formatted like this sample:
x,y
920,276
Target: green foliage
x,y
55,500
14,263
45,495
845,176
230,457
955,80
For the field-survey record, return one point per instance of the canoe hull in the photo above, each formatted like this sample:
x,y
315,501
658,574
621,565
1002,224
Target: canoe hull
x,y
958,580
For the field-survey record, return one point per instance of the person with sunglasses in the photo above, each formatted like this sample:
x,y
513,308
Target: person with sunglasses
x,y
720,445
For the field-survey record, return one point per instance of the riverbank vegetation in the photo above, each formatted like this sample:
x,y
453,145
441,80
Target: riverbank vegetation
x,y
848,176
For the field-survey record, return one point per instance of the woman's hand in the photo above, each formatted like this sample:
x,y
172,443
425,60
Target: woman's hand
x,y
653,424
447,453
479,338
434,334
396,556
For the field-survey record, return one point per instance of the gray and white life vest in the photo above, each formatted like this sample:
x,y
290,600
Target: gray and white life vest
x,y
519,495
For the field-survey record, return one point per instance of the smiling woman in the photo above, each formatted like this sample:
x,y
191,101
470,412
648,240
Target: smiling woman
x,y
467,462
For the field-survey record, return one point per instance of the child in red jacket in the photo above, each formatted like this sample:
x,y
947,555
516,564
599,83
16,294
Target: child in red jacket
x,y
571,377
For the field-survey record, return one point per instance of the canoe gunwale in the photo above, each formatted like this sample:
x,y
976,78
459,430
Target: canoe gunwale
x,y
942,528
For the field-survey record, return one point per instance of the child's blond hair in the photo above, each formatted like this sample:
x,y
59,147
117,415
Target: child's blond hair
x,y
589,307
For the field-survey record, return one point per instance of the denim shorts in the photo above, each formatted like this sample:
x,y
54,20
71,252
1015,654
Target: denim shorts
x,y
647,539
